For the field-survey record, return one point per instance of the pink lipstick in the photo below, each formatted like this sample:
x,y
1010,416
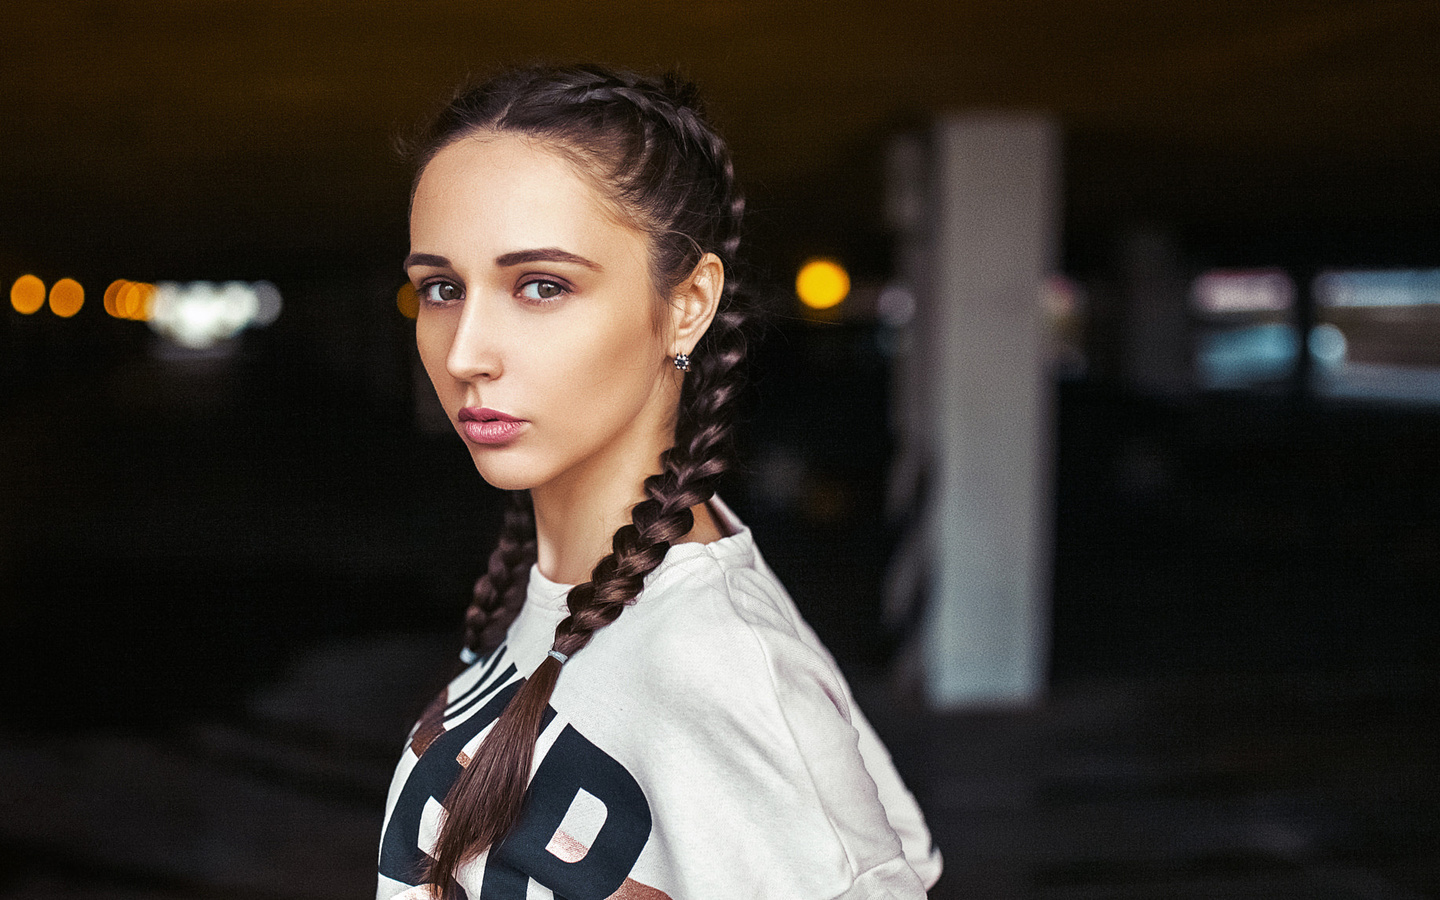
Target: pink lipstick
x,y
482,425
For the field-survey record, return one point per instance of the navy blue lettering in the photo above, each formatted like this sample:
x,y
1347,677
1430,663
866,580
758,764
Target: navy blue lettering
x,y
400,855
572,764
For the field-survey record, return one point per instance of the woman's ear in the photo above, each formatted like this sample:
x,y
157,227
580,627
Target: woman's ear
x,y
693,304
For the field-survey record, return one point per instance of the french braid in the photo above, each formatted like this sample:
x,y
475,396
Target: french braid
x,y
648,147
500,592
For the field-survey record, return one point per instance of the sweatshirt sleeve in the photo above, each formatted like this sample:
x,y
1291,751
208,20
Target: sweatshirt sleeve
x,y
901,810
755,770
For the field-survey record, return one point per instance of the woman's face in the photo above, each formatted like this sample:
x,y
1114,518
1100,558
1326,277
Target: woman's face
x,y
538,321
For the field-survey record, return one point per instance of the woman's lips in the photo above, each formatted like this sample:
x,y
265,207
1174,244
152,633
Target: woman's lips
x,y
488,426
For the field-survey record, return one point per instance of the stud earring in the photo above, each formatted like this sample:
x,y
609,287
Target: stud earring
x,y
682,362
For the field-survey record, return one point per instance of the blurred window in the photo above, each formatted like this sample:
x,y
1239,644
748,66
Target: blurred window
x,y
1246,336
1384,324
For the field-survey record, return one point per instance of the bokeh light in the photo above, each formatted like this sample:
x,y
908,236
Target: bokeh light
x,y
135,301
822,283
1221,292
1378,288
66,297
267,304
201,314
407,301
112,297
27,294
1327,345
896,305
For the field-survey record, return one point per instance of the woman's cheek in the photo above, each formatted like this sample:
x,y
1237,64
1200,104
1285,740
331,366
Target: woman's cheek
x,y
432,342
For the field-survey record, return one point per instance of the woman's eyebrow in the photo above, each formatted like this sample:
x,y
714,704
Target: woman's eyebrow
x,y
426,259
544,254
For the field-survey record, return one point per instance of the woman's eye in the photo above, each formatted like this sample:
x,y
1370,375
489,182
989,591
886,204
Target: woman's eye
x,y
541,291
441,292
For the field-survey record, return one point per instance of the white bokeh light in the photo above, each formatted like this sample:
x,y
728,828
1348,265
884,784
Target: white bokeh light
x,y
1243,291
896,305
198,315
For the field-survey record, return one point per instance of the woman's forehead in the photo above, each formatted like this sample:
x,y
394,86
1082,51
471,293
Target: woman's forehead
x,y
495,166
513,189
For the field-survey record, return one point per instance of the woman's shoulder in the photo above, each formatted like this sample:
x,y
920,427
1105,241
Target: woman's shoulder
x,y
717,621
721,585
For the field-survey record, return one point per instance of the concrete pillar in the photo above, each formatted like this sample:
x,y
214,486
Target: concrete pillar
x,y
995,189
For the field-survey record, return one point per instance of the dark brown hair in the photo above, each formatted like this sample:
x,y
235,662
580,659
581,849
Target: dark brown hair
x,y
647,146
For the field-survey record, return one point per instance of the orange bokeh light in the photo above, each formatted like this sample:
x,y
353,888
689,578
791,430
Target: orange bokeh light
x,y
822,283
133,301
406,301
27,294
128,301
66,297
112,297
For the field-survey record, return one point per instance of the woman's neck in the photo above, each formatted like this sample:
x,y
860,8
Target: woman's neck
x,y
575,528
573,532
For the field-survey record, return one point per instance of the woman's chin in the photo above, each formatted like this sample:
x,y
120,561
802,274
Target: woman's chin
x,y
506,482
505,478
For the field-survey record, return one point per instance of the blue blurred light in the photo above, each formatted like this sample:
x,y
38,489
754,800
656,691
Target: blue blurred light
x,y
1238,357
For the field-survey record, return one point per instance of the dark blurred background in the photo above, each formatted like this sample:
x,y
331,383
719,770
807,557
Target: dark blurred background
x,y
235,542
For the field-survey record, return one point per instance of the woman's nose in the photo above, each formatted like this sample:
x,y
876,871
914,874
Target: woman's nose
x,y
475,351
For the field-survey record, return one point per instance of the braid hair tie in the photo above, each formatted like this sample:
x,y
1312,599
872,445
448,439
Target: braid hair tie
x,y
468,656
559,657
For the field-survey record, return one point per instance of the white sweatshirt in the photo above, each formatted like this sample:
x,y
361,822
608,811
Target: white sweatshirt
x,y
704,745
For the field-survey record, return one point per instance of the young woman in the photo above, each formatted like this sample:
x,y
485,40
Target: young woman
x,y
642,713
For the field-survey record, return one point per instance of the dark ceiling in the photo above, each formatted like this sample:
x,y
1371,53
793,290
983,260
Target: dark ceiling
x,y
177,138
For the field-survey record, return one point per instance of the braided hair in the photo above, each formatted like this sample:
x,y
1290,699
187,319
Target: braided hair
x,y
648,148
